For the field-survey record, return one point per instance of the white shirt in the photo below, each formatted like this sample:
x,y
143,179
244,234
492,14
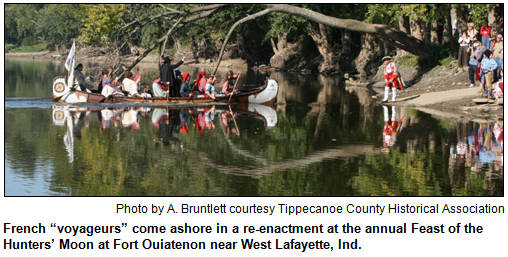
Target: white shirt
x,y
390,68
464,41
130,86
107,90
79,78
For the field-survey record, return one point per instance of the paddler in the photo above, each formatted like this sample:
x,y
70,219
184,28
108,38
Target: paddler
x,y
80,79
168,76
391,78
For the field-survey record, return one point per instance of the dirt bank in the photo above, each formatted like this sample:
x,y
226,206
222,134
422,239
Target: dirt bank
x,y
443,91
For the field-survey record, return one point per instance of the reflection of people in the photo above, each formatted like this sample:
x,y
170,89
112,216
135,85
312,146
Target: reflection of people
x,y
209,117
227,123
158,115
390,71
108,117
130,118
390,128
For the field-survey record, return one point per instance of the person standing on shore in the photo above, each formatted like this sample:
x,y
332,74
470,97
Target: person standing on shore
x,y
391,75
488,68
497,50
463,50
485,31
472,33
473,62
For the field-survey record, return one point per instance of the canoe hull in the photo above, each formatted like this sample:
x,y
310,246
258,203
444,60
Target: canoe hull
x,y
262,95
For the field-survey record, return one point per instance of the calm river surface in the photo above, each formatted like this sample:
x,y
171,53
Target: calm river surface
x,y
321,139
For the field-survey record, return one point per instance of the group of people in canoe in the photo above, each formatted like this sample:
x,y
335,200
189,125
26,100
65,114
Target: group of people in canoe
x,y
170,82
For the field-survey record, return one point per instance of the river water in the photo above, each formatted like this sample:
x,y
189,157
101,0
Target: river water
x,y
320,139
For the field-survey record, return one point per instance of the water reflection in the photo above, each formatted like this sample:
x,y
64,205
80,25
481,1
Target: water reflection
x,y
321,139
166,122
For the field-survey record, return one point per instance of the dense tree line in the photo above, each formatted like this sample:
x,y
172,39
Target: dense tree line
x,y
345,37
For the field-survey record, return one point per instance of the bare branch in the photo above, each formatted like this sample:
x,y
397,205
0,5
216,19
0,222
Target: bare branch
x,y
248,18
153,46
170,9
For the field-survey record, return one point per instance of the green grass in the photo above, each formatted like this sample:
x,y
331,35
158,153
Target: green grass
x,y
408,60
26,49
446,61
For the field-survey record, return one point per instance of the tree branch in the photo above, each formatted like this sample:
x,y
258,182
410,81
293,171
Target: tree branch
x,y
405,42
153,46
170,9
248,18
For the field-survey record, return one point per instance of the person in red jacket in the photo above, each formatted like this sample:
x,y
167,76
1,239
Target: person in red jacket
x,y
391,74
485,31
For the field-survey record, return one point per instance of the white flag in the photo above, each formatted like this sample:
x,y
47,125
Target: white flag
x,y
71,59
69,64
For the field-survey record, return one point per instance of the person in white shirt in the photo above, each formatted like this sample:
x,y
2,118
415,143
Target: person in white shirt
x,y
464,41
130,85
110,88
80,79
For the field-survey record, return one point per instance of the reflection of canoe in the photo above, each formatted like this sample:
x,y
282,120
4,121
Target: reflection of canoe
x,y
262,95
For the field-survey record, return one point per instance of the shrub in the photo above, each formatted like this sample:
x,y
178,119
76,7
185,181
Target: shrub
x,y
408,60
28,41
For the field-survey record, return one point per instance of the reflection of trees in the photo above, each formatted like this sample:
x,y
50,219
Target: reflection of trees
x,y
30,77
317,149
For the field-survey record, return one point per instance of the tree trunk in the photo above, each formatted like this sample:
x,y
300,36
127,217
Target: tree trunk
x,y
404,28
274,46
368,59
177,43
426,31
416,28
282,41
318,34
346,40
395,37
462,19
447,28
434,37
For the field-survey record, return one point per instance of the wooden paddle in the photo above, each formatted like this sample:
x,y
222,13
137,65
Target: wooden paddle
x,y
192,90
234,87
167,93
234,120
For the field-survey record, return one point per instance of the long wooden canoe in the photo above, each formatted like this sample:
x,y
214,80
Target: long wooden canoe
x,y
262,95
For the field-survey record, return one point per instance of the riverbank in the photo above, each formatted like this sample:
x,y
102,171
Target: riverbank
x,y
84,56
442,91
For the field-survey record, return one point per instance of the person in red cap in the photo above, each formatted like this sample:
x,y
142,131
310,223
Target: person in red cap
x,y
201,81
185,88
391,74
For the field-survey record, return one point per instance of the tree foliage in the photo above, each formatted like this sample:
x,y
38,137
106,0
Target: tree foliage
x,y
102,22
60,23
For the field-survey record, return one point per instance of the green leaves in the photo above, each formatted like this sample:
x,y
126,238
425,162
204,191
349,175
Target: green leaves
x,y
102,23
